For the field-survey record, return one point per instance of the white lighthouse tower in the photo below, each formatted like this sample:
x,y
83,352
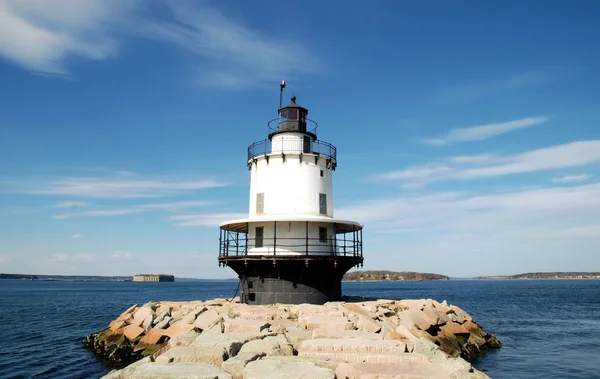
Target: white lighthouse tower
x,y
291,249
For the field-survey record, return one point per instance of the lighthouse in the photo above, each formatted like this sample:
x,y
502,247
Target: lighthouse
x,y
291,249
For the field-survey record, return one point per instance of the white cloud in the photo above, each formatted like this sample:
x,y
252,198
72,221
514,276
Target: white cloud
x,y
112,212
76,236
418,173
574,154
482,132
99,213
527,230
205,219
71,204
434,141
177,205
152,207
116,187
572,178
474,158
230,54
42,35
120,255
62,216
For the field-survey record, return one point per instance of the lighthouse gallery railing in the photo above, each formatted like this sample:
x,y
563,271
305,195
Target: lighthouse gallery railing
x,y
318,147
238,244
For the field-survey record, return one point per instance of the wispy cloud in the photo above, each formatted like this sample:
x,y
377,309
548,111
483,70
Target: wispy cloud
x,y
468,92
574,154
526,228
230,54
482,158
120,255
155,207
205,219
177,205
482,132
116,187
572,178
63,216
77,236
111,212
44,36
71,204
41,36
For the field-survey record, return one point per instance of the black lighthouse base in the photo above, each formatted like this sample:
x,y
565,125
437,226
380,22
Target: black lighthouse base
x,y
290,279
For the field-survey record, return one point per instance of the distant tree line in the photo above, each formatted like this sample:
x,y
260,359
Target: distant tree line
x,y
383,275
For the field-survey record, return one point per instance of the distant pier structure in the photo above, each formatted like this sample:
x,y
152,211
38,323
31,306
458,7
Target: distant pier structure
x,y
291,249
153,278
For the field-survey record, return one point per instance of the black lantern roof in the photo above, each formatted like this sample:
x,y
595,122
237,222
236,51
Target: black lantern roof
x,y
293,105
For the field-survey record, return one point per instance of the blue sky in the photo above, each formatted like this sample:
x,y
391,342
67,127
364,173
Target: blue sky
x,y
467,132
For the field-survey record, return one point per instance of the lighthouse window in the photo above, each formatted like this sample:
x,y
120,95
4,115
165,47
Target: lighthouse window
x,y
322,234
293,115
260,203
322,203
258,240
322,174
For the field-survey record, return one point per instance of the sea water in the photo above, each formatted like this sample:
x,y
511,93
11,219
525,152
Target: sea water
x,y
548,328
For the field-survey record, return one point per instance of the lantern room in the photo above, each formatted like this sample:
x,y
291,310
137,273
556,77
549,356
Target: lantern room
x,y
292,117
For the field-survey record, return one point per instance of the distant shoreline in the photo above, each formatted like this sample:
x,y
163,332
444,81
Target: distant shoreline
x,y
545,276
367,277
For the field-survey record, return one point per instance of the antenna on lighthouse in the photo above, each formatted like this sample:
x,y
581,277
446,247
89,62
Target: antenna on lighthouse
x,y
281,87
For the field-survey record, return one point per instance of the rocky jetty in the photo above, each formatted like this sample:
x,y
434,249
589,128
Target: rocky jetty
x,y
357,338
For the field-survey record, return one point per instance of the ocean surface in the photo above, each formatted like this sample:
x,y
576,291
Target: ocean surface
x,y
548,328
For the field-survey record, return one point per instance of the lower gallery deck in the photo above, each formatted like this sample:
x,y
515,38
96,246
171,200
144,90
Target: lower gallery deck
x,y
290,261
290,238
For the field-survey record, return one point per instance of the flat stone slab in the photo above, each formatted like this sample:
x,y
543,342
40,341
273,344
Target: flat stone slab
x,y
132,332
277,345
211,355
152,337
285,369
326,322
353,345
178,328
366,357
206,319
236,364
344,334
217,341
244,325
175,371
412,370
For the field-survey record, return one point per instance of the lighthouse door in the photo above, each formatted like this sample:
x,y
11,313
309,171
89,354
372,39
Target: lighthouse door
x,y
306,148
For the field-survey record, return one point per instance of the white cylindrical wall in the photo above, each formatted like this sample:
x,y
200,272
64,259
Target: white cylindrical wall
x,y
291,238
289,143
291,185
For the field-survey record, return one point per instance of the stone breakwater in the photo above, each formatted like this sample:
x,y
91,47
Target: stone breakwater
x,y
357,338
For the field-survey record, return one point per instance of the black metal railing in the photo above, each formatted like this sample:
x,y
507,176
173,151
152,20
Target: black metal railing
x,y
311,125
236,244
318,147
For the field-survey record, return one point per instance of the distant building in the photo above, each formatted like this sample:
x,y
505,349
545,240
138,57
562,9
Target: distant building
x,y
153,278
